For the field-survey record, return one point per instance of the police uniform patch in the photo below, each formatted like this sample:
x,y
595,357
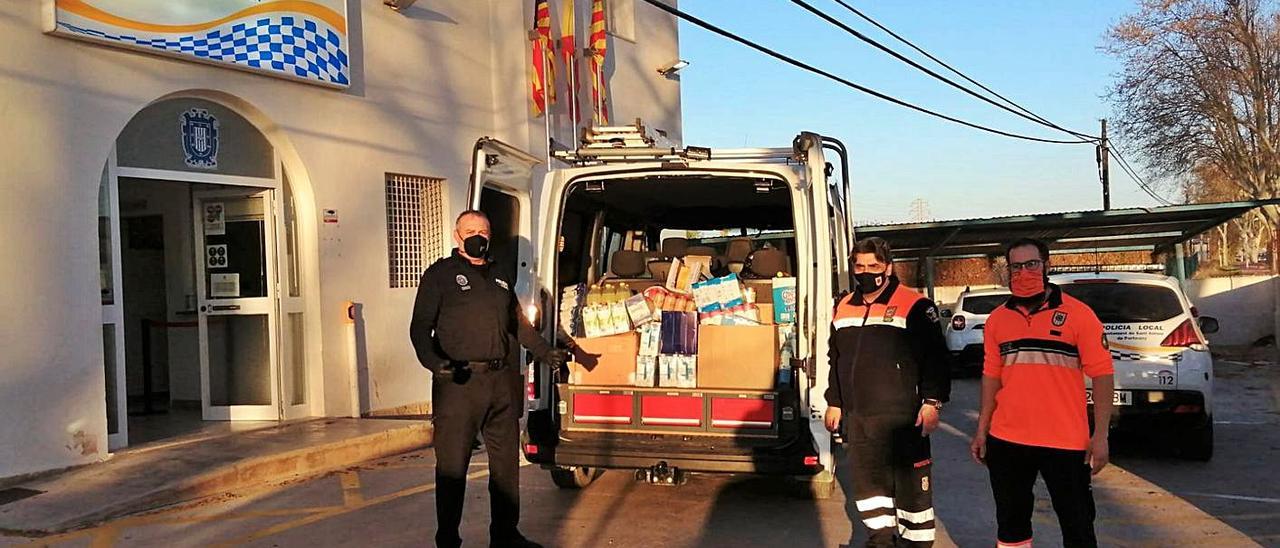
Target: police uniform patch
x,y
924,484
501,284
1059,318
931,313
462,281
889,313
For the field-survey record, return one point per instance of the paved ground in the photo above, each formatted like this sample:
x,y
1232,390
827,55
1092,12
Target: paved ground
x,y
1148,499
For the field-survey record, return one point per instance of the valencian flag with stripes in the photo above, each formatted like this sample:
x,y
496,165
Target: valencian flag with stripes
x,y
542,71
569,52
599,50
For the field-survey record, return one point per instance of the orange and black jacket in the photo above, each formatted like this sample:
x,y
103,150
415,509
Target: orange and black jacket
x,y
888,356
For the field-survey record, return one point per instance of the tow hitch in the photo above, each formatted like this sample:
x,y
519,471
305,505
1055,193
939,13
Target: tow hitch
x,y
661,474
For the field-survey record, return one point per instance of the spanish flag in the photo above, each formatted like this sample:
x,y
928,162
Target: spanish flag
x,y
543,73
599,52
569,52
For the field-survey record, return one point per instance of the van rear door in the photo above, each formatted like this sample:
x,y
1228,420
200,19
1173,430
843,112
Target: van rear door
x,y
501,185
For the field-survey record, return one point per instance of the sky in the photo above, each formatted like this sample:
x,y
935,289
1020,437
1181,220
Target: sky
x,y
1043,54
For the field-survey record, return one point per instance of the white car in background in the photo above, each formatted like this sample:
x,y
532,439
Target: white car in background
x,y
1163,369
966,324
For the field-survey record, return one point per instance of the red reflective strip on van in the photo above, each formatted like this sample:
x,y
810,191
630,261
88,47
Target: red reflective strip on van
x,y
671,410
742,413
602,408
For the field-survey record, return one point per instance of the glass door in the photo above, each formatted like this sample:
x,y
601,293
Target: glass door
x,y
112,309
236,304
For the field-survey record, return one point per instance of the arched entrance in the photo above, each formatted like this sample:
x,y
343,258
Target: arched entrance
x,y
206,240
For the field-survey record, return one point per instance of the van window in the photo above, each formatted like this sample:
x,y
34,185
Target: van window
x,y
709,212
982,304
1127,303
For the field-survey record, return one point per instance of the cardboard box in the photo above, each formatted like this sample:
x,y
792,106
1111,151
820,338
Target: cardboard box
x,y
605,361
766,313
737,357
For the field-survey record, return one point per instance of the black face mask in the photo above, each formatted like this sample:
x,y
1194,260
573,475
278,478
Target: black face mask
x,y
869,282
476,246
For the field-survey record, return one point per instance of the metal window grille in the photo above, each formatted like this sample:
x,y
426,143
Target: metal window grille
x,y
415,220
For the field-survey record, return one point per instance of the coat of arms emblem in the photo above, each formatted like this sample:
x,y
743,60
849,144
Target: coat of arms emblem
x,y
200,138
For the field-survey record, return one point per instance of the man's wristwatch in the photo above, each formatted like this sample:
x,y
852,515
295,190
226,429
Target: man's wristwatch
x,y
937,404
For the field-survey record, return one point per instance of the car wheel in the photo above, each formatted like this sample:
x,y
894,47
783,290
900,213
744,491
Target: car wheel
x,y
574,478
1198,445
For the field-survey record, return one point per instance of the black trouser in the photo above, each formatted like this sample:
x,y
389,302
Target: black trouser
x,y
487,402
891,479
1013,469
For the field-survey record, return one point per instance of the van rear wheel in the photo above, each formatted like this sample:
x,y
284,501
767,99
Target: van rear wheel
x,y
574,477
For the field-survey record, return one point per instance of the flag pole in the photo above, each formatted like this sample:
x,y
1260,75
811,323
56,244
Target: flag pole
x,y
572,78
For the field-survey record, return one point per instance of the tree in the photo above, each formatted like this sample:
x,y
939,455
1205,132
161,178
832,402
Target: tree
x,y
1200,91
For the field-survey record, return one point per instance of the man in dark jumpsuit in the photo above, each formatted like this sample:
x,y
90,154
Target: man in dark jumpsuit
x,y
889,378
467,329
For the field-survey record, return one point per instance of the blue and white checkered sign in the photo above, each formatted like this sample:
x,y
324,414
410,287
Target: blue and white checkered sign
x,y
286,44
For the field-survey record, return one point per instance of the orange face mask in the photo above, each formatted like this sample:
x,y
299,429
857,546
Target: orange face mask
x,y
1027,283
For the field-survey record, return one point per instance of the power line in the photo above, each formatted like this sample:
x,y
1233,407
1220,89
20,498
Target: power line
x,y
810,68
954,70
1133,174
1034,118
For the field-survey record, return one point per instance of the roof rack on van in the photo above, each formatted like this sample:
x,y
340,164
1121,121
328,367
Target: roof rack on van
x,y
619,144
1067,269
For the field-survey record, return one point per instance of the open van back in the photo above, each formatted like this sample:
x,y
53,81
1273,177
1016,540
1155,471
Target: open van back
x,y
727,376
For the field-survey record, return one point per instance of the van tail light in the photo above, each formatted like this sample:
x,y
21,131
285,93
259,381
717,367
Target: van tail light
x,y
531,383
1184,336
957,323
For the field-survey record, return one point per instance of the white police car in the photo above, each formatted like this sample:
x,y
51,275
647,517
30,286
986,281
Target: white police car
x,y
1163,369
966,326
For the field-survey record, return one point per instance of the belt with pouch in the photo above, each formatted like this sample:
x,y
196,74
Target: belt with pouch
x,y
490,365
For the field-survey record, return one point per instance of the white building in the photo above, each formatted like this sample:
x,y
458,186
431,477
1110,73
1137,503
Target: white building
x,y
122,212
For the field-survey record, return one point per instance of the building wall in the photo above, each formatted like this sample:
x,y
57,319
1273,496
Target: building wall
x,y
426,84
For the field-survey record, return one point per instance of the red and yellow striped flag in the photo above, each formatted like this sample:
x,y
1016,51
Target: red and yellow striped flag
x,y
569,53
542,71
599,52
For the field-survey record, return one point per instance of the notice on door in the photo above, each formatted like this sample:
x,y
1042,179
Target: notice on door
x,y
215,219
215,256
224,285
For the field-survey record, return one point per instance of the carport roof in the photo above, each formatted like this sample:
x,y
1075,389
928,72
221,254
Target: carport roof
x,y
1136,229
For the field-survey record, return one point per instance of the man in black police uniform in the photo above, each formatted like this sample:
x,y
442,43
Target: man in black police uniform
x,y
466,324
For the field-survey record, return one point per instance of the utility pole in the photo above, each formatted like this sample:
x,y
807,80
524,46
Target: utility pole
x,y
1104,155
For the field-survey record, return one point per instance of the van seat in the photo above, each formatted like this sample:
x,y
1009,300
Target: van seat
x,y
626,263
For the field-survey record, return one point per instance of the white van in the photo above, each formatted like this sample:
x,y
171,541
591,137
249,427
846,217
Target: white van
x,y
1164,371
619,214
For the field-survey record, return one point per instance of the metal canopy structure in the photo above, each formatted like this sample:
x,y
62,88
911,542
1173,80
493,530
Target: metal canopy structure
x,y
1136,229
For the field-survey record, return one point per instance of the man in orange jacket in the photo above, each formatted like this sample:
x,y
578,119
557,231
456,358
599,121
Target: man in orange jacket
x,y
1039,347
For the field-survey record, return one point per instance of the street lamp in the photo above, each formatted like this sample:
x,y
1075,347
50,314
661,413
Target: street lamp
x,y
672,68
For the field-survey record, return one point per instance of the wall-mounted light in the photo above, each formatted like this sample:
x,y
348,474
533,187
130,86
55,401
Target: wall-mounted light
x,y
398,4
671,69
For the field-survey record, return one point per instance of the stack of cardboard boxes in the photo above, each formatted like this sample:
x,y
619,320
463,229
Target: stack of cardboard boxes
x,y
696,331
